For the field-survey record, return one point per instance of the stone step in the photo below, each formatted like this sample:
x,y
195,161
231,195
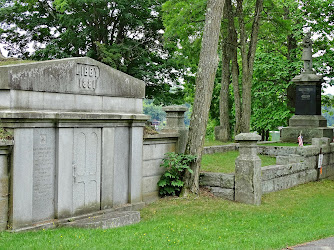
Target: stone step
x,y
106,220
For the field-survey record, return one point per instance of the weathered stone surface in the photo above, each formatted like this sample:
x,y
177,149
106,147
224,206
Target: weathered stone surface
x,y
44,161
150,184
157,150
220,149
284,160
217,180
223,193
175,123
71,75
276,151
210,179
290,134
107,220
248,185
227,181
121,167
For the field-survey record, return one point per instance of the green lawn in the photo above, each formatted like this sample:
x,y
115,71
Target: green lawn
x,y
225,162
285,218
209,143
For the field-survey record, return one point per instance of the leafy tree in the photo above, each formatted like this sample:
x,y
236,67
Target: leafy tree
x,y
125,35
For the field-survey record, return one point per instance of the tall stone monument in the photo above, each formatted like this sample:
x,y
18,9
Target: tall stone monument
x,y
307,120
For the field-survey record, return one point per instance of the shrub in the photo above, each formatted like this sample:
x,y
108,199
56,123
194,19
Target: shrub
x,y
171,182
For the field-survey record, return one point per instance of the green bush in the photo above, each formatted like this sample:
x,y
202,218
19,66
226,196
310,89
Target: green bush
x,y
171,182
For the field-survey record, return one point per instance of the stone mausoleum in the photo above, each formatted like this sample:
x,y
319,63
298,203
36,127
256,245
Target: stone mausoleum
x,y
78,139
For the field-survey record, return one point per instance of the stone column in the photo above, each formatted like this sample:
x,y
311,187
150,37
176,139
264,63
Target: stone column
x,y
248,186
4,183
175,124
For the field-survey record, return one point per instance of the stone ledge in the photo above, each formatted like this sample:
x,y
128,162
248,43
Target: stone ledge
x,y
162,136
106,221
59,222
4,143
54,115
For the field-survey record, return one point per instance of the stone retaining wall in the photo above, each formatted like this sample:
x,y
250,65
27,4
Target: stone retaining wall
x,y
294,166
154,149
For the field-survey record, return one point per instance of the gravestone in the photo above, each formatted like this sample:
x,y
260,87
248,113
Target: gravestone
x,y
307,120
78,132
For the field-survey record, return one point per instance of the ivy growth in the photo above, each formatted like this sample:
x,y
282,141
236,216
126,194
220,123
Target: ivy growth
x,y
171,182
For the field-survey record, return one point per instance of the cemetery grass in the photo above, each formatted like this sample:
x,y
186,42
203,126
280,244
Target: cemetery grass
x,y
209,143
225,162
285,218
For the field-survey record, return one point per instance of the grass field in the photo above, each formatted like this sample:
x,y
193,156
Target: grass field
x,y
225,162
285,218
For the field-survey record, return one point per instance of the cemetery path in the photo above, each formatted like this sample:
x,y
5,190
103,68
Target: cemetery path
x,y
323,244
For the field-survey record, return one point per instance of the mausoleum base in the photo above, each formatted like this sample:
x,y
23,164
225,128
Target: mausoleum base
x,y
109,218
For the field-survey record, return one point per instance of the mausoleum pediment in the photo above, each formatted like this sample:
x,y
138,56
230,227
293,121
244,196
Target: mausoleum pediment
x,y
71,75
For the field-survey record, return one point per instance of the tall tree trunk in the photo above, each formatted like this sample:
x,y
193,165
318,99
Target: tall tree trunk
x,y
224,117
234,66
248,57
206,73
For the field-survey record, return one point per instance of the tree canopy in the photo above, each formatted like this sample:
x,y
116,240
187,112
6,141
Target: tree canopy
x,y
126,35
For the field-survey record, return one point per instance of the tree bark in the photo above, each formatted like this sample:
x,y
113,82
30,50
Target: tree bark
x,y
248,56
206,73
224,133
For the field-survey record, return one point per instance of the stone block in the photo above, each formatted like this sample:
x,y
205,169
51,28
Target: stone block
x,y
135,164
106,220
22,178
44,167
277,151
65,172
121,166
220,149
150,184
223,193
308,121
248,187
311,175
308,151
210,179
227,181
268,186
152,167
108,151
290,134
158,150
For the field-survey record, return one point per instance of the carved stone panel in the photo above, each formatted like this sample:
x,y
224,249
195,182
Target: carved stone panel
x,y
86,170
43,174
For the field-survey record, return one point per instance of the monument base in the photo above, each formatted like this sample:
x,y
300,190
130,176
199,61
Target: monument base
x,y
310,126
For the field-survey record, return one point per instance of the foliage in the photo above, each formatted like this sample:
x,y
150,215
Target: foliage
x,y
171,181
125,35
5,134
155,111
285,218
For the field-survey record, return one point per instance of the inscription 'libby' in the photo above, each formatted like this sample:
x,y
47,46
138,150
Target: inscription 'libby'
x,y
87,76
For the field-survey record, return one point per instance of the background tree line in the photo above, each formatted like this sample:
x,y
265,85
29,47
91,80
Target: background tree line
x,y
159,41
